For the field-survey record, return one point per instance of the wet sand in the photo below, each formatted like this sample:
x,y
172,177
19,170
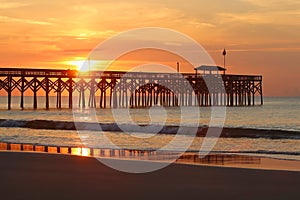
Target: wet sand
x,y
53,176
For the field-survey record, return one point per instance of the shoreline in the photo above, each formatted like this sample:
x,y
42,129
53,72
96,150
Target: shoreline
x,y
201,131
53,176
230,160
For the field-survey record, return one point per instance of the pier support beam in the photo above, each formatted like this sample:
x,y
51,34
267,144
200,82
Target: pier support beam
x,y
35,89
70,90
47,92
59,91
22,92
261,93
9,90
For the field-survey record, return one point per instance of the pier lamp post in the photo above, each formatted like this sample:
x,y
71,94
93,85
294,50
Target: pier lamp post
x,y
224,54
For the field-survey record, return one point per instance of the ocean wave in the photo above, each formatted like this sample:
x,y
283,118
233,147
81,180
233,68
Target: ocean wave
x,y
227,132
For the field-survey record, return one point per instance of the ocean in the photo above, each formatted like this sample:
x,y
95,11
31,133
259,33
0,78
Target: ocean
x,y
278,115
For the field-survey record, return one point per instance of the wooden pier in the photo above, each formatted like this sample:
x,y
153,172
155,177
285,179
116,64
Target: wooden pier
x,y
117,89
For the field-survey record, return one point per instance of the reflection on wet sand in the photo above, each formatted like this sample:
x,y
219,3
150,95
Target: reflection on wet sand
x,y
219,159
188,158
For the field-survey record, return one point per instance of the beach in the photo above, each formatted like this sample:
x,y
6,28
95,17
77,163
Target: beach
x,y
149,100
43,156
54,176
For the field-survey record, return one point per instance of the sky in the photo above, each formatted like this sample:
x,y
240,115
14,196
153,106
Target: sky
x,y
261,37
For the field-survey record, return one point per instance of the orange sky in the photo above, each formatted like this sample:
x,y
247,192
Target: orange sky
x,y
261,37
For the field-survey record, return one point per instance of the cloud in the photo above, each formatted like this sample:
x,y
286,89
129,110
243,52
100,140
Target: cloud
x,y
202,24
11,4
125,14
27,21
281,4
268,17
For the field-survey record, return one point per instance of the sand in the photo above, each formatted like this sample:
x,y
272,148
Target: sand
x,y
52,176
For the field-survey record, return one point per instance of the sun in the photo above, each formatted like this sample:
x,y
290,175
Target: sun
x,y
85,65
81,64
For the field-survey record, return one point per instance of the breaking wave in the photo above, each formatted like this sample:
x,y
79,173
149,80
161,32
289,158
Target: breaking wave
x,y
167,129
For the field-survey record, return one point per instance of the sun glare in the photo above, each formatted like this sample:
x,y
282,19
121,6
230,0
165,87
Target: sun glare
x,y
81,65
79,151
85,152
85,65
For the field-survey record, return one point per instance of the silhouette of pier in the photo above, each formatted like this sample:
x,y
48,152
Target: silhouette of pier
x,y
116,89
